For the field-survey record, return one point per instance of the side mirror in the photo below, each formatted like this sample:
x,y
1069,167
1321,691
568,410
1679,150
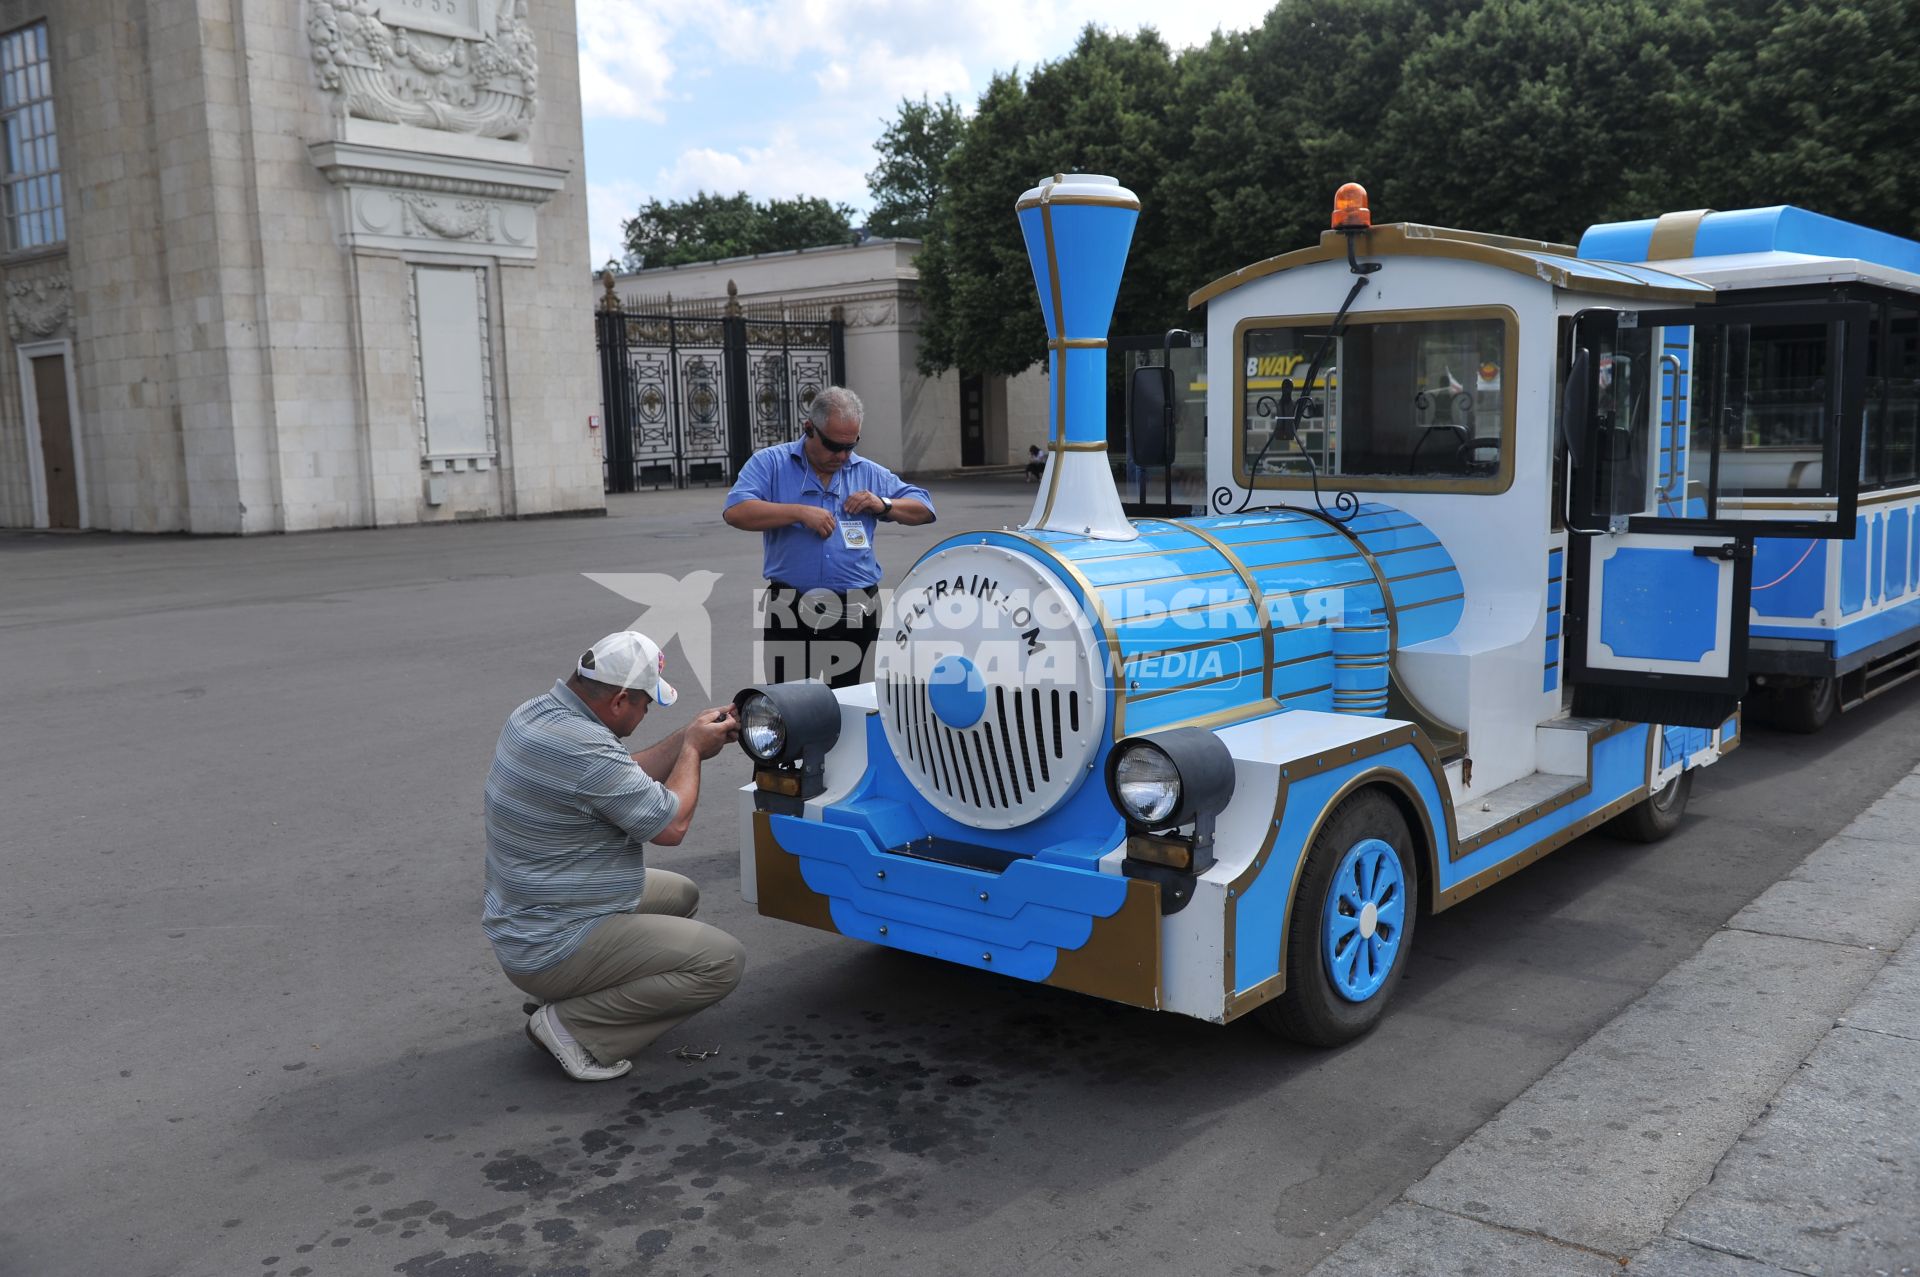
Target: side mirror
x,y
1573,403
1149,416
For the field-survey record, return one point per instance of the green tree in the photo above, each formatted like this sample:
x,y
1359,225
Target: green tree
x,y
708,227
907,184
1536,118
1809,102
1100,109
1271,121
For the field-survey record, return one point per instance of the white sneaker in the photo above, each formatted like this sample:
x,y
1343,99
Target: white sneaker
x,y
573,1057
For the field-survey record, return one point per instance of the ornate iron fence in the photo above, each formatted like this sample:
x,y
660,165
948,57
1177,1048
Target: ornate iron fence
x,y
689,390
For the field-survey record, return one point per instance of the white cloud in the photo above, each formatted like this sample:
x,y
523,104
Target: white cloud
x,y
788,165
823,75
626,69
608,205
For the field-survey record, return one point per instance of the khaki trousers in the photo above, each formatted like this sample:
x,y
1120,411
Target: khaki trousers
x,y
638,974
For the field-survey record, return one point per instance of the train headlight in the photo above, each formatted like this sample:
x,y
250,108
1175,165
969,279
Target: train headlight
x,y
1170,778
787,729
763,732
1162,783
1146,784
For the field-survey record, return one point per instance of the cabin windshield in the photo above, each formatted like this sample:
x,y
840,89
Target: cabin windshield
x,y
1399,401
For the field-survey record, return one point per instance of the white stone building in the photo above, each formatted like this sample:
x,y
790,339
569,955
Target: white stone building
x,y
273,265
915,424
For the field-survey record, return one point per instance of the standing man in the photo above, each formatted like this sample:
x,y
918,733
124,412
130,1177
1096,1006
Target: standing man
x,y
576,917
816,505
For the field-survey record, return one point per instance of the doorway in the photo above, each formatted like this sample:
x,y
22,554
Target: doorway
x,y
53,440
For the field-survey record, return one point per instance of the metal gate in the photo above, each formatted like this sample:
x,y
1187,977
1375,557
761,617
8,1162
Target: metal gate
x,y
690,390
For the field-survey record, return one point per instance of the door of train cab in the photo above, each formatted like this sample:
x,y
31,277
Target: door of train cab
x,y
1673,477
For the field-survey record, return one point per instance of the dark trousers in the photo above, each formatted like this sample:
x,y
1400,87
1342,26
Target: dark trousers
x,y
818,634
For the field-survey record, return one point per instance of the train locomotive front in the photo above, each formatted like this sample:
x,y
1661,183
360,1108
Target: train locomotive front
x,y
1074,763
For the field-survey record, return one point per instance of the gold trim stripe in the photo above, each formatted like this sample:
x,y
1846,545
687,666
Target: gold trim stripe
x,y
1076,343
1408,607
1259,601
1674,234
1047,197
1075,447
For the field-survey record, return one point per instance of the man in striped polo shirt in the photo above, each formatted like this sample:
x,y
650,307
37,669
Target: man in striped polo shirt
x,y
576,917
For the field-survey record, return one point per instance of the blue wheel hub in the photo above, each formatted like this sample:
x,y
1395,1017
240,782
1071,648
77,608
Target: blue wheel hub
x,y
958,693
1361,925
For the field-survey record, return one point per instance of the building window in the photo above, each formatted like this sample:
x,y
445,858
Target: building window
x,y
34,211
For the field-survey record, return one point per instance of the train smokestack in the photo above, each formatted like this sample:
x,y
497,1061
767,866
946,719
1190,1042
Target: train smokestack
x,y
1078,227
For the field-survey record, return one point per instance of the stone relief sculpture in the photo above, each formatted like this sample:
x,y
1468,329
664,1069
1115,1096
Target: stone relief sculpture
x,y
484,84
464,220
37,307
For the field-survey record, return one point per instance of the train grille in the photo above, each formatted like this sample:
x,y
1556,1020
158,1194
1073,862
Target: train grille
x,y
1026,751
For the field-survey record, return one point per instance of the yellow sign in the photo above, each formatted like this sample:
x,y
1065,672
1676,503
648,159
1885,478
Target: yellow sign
x,y
1273,365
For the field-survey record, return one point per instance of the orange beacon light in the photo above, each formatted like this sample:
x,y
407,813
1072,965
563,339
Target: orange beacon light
x,y
1350,211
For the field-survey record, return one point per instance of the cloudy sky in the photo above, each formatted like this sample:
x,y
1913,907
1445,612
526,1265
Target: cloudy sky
x,y
786,97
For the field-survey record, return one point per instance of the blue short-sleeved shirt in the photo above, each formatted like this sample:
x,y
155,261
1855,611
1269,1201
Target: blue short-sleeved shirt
x,y
567,811
796,555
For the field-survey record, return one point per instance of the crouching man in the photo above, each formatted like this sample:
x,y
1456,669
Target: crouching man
x,y
576,917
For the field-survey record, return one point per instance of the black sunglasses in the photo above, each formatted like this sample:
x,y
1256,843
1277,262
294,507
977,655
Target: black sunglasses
x,y
829,444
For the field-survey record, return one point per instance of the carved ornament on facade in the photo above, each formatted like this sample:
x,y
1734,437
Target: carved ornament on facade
x,y
470,75
464,219
398,200
37,307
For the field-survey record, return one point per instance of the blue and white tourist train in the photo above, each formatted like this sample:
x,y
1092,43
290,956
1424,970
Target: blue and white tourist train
x,y
1462,594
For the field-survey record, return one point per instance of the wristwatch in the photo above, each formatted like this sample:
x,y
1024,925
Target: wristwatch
x,y
886,508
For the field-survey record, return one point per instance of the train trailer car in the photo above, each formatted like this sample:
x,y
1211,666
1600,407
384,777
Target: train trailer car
x,y
1834,622
1434,625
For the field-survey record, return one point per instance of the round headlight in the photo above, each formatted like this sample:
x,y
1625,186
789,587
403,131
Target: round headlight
x,y
1147,784
762,728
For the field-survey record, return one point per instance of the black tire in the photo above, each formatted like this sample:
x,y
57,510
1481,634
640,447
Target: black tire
x,y
1806,707
1312,1010
1655,816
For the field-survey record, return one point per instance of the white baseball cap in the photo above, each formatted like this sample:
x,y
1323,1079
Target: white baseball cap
x,y
631,660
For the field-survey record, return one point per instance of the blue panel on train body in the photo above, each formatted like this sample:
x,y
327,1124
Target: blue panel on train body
x,y
1789,577
1853,569
1913,565
1178,607
1678,744
1895,571
1780,228
1659,604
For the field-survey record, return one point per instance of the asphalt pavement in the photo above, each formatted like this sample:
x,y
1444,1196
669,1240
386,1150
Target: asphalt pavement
x,y
256,1029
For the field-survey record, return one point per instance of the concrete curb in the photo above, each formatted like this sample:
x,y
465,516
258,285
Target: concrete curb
x,y
1756,1112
